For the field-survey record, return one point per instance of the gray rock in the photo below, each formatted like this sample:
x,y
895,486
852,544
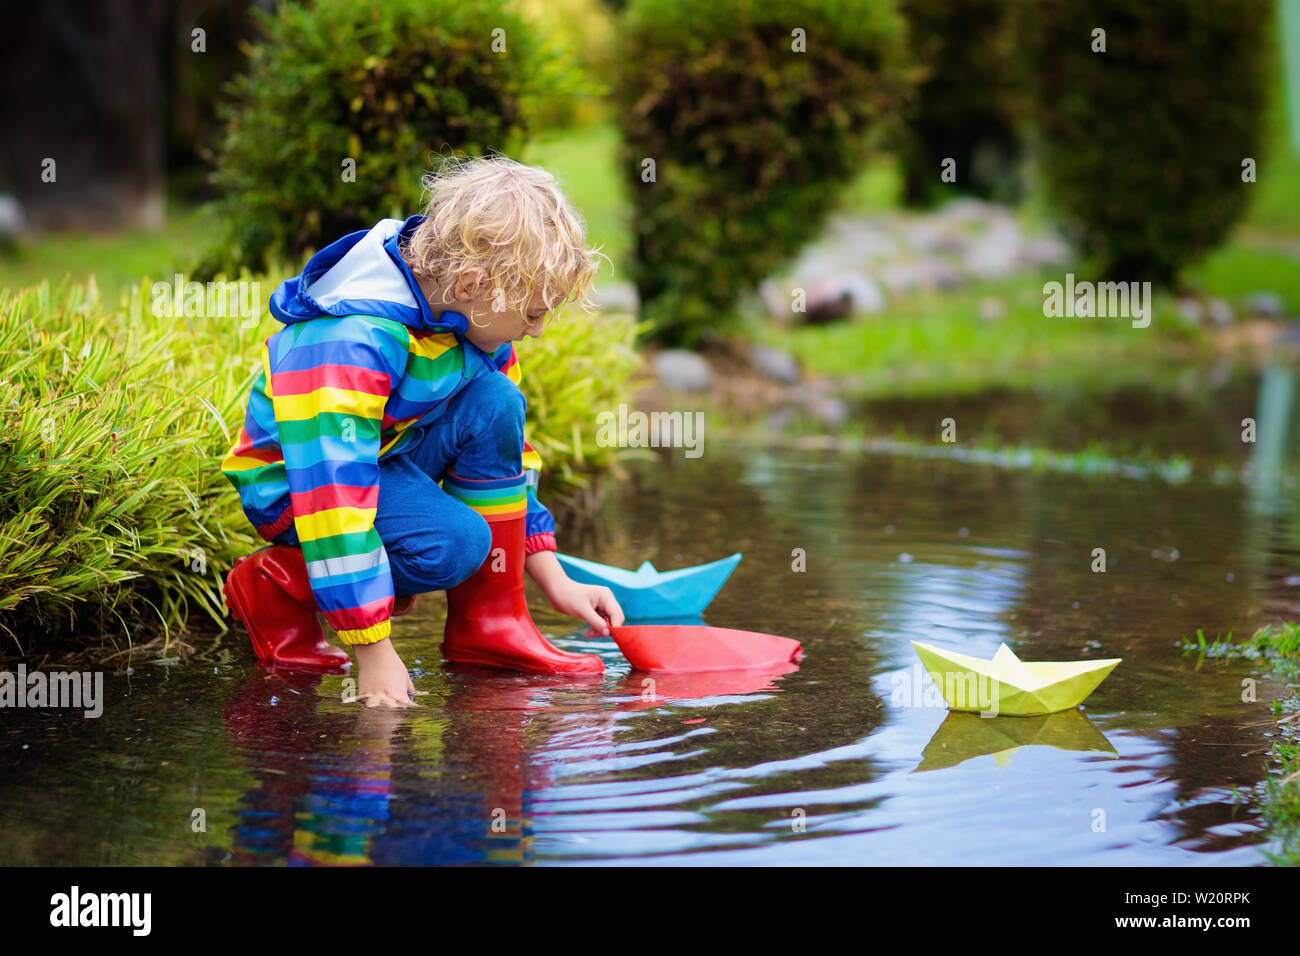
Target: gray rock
x,y
1191,310
776,298
860,263
1220,312
898,277
831,411
12,220
779,419
838,296
861,239
680,370
775,364
952,244
996,253
932,234
615,297
932,273
1046,250
1268,304
966,209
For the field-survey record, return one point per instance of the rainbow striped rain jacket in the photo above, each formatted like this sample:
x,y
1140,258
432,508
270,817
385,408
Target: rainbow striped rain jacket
x,y
360,364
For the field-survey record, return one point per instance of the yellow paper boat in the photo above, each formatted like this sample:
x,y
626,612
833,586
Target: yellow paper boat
x,y
963,737
1008,686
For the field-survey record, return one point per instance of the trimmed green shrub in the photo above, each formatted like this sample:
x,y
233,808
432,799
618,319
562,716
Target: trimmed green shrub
x,y
116,522
385,85
751,142
969,104
1142,146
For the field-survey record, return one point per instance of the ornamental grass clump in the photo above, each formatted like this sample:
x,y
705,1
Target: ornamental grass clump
x,y
116,524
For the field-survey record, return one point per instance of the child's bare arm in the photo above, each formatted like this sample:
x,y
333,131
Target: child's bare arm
x,y
593,603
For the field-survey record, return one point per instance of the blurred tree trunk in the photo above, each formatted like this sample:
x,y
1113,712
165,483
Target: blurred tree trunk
x,y
81,84
193,85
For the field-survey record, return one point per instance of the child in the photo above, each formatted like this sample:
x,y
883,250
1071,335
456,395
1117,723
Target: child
x,y
396,370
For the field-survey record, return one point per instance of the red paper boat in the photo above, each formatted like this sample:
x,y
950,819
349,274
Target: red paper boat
x,y
683,649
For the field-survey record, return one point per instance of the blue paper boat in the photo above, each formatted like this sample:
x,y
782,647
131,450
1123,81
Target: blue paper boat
x,y
650,595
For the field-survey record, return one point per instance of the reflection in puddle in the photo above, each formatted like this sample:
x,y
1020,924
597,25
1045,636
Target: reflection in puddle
x,y
962,737
338,789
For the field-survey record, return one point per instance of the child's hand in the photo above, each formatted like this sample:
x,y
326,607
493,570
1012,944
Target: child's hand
x,y
594,603
383,680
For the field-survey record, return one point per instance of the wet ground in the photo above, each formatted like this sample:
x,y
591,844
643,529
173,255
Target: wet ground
x,y
844,760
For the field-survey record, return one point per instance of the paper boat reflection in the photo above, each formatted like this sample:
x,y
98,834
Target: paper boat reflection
x,y
647,594
1009,686
963,737
653,690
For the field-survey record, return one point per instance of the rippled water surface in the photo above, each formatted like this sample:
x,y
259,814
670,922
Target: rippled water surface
x,y
841,761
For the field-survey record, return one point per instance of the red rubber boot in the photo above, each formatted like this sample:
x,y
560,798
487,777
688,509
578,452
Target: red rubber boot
x,y
270,593
488,621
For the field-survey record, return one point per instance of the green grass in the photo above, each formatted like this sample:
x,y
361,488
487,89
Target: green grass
x,y
937,344
1264,251
117,260
1279,796
585,161
1091,462
1275,211
875,190
582,365
1246,266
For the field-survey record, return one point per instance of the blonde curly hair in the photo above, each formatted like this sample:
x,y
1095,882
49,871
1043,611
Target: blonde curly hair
x,y
509,221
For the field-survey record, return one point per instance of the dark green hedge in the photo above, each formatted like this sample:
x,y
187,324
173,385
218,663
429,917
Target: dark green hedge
x,y
1142,146
391,85
752,142
970,103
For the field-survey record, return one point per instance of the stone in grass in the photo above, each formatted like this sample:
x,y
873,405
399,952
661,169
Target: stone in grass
x,y
680,370
1046,250
996,253
827,409
899,278
831,297
934,273
1270,305
615,297
12,220
774,364
1190,309
1220,312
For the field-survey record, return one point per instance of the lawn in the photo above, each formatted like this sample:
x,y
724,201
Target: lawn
x,y
117,260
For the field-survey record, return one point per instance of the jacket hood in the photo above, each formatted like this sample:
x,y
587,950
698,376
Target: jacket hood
x,y
363,273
